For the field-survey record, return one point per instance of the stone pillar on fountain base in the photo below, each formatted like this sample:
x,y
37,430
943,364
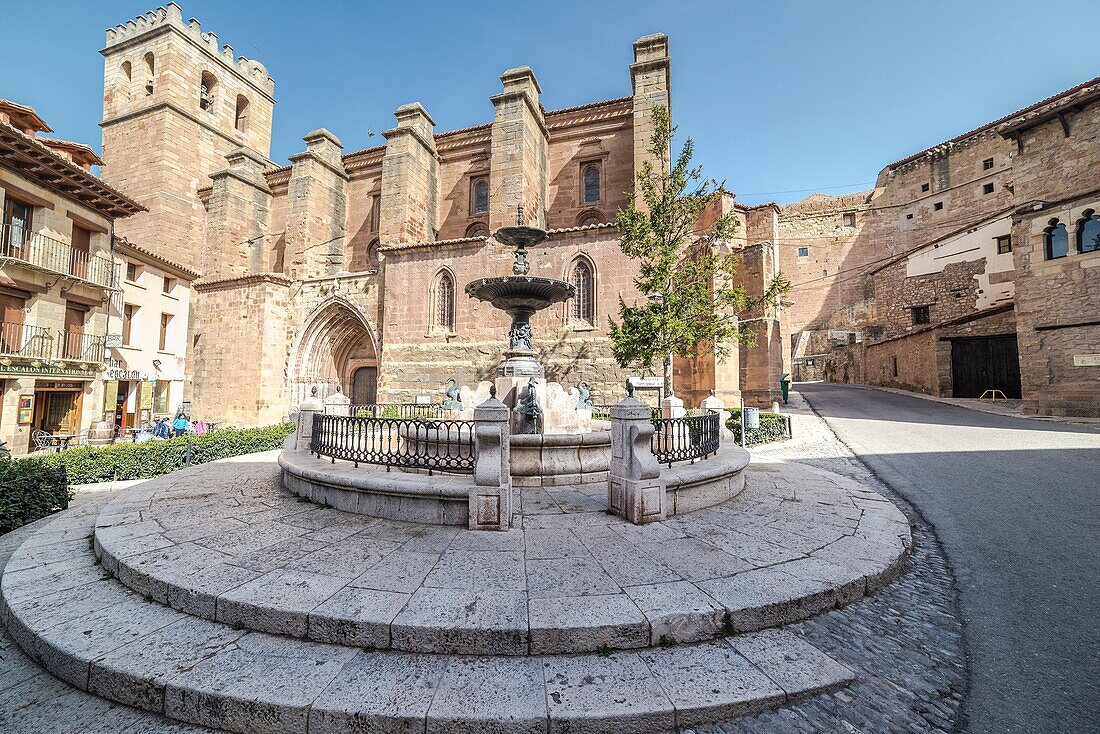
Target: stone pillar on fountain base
x,y
491,498
634,490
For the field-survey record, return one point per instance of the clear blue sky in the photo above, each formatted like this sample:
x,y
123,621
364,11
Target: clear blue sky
x,y
779,96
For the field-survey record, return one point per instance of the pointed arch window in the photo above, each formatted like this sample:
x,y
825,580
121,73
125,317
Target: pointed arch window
x,y
584,302
1088,232
127,78
591,180
206,91
240,115
1056,240
443,306
150,72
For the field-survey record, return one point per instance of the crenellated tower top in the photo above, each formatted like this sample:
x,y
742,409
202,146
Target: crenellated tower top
x,y
171,16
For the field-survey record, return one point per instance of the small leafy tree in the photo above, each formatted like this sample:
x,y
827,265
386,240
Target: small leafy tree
x,y
691,299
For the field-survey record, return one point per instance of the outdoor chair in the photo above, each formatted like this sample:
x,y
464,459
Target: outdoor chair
x,y
42,440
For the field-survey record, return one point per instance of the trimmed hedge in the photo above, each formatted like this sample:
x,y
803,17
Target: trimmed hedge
x,y
30,489
86,464
773,427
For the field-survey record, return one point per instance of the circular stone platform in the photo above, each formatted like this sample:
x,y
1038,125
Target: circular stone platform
x,y
228,544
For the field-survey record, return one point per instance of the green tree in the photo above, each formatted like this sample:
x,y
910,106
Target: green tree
x,y
692,298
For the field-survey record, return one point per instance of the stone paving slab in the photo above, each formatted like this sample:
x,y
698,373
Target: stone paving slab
x,y
567,578
197,671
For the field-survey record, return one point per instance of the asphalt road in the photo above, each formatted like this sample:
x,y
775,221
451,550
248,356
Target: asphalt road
x,y
1016,505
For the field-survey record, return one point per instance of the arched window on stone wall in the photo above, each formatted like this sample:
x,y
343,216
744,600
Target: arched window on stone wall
x,y
584,303
372,255
477,229
1088,232
479,196
127,79
207,83
240,116
591,180
443,303
150,72
590,217
1056,240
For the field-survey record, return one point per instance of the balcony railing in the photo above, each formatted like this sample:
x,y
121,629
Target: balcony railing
x,y
43,251
37,343
80,347
28,342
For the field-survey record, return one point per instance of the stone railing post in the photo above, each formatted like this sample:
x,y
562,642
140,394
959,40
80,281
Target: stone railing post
x,y
491,498
303,424
338,404
634,488
712,402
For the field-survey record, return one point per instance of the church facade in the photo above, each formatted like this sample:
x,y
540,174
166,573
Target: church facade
x,y
345,270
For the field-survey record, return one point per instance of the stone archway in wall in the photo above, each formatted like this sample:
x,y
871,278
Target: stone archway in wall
x,y
337,347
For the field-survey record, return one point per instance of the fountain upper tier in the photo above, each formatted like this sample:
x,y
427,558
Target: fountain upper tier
x,y
520,296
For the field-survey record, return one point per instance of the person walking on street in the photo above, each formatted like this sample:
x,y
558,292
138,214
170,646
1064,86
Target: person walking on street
x,y
180,425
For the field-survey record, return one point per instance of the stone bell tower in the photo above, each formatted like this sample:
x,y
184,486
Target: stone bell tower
x,y
174,105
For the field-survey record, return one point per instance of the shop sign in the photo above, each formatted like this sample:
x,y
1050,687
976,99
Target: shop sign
x,y
121,374
46,370
113,341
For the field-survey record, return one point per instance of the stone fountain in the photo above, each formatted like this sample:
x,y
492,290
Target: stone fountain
x,y
554,438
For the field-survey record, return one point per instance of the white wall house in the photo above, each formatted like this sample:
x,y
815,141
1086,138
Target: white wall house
x,y
147,338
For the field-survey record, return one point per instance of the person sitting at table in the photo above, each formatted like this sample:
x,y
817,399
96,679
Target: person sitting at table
x,y
180,425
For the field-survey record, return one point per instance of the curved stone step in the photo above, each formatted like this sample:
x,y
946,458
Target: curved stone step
x,y
226,544
69,615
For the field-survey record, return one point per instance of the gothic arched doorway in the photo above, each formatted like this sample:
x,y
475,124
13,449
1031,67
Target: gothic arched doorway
x,y
335,349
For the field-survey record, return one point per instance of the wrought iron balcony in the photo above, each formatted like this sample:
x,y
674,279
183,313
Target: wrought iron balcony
x,y
77,346
44,252
25,342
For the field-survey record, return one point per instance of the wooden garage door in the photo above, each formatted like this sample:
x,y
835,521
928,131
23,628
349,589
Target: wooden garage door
x,y
987,363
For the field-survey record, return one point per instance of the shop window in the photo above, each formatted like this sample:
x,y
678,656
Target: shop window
x,y
1056,240
1004,244
921,315
161,394
1088,232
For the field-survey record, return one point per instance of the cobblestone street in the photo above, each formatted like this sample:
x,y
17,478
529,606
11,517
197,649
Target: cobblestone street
x,y
904,643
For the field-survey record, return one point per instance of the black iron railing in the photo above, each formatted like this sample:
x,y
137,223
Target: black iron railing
x,y
80,347
28,342
43,251
393,410
686,439
402,442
